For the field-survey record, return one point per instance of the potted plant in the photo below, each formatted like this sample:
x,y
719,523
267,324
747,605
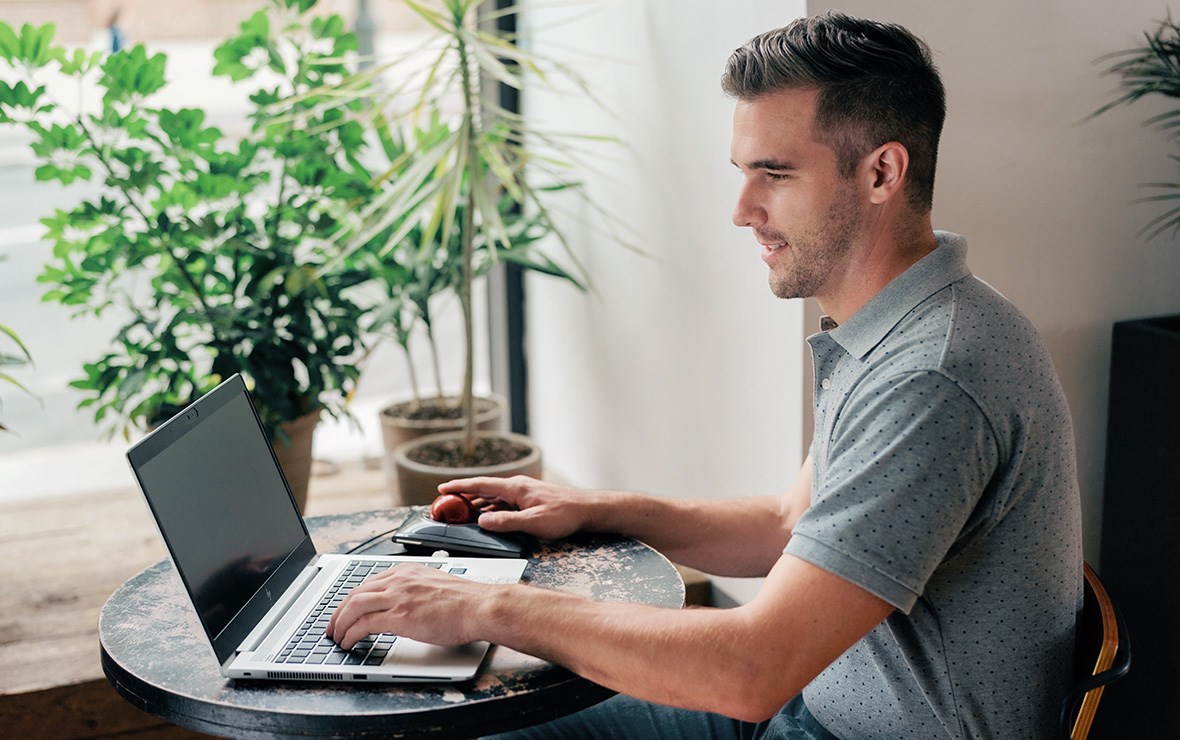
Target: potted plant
x,y
417,274
428,281
9,358
218,252
460,194
417,280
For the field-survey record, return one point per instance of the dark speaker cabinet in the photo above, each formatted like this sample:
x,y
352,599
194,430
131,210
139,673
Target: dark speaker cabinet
x,y
1140,558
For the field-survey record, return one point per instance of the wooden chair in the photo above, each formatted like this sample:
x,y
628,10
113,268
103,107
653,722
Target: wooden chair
x,y
1103,654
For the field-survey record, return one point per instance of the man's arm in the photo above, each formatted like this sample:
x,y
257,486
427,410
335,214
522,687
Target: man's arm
x,y
730,537
745,662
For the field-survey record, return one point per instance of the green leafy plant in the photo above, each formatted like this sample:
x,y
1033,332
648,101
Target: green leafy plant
x,y
10,358
1153,69
218,251
462,191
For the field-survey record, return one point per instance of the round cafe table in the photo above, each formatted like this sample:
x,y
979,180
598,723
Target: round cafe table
x,y
155,654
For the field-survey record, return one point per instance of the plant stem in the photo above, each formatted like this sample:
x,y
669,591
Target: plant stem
x,y
438,388
467,239
413,375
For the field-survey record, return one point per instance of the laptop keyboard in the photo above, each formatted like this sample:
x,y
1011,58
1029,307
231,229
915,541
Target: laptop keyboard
x,y
310,646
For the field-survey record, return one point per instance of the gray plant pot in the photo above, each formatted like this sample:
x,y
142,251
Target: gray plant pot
x,y
397,431
418,483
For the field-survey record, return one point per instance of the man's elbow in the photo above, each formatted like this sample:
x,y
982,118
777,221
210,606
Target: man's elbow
x,y
762,677
757,706
757,695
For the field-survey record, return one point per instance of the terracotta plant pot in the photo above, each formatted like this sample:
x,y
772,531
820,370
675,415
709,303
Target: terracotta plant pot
x,y
397,431
418,482
295,454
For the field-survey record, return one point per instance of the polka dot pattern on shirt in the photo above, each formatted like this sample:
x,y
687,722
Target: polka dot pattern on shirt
x,y
945,483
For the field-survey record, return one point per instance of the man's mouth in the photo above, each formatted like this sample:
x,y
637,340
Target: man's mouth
x,y
770,242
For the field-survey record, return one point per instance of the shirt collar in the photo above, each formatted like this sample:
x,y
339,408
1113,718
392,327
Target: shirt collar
x,y
865,329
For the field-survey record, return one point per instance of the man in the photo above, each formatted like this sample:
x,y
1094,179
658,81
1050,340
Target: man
x,y
923,573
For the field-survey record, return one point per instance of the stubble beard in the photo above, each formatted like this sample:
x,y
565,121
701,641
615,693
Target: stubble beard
x,y
815,253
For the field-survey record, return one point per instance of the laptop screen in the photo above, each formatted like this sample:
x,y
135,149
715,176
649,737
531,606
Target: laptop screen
x,y
221,504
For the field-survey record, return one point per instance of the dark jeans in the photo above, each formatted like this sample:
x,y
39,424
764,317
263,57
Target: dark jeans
x,y
626,718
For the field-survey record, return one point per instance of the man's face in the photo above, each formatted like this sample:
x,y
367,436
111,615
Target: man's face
x,y
802,212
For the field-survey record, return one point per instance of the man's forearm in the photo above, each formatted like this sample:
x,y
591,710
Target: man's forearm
x,y
677,657
735,537
744,662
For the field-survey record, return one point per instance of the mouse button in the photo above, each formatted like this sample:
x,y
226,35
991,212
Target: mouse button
x,y
469,532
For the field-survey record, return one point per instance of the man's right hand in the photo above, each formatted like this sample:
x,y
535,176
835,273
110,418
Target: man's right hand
x,y
524,504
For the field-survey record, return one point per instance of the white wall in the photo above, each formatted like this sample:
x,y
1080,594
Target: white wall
x,y
680,373
1044,196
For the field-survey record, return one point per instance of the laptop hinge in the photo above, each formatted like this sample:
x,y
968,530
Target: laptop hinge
x,y
278,610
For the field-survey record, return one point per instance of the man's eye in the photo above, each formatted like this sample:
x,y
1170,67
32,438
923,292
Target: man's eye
x,y
777,176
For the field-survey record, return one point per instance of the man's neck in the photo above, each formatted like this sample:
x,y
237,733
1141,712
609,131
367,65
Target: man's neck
x,y
885,254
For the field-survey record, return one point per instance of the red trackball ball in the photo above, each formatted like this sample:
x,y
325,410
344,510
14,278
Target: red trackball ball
x,y
451,508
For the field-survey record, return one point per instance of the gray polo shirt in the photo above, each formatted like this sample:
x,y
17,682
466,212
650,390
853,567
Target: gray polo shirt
x,y
944,482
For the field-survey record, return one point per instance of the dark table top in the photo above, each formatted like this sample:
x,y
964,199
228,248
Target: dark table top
x,y
156,655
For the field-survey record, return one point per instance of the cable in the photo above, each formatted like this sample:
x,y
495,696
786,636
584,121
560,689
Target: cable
x,y
374,538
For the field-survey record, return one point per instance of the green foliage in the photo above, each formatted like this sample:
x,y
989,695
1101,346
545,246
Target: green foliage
x,y
1153,69
10,358
218,251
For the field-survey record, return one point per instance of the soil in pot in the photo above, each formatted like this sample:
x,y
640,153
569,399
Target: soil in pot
x,y
431,410
488,451
408,420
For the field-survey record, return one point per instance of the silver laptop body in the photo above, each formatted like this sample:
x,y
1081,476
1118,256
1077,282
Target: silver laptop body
x,y
248,564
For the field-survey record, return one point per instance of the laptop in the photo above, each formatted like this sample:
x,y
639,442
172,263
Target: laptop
x,y
242,550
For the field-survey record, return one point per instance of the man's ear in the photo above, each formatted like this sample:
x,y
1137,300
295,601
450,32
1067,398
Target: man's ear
x,y
886,168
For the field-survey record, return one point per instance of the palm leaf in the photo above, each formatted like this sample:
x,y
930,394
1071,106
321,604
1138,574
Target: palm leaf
x,y
1153,69
1161,223
12,335
442,220
491,222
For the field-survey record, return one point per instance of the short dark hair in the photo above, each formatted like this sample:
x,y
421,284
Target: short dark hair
x,y
877,83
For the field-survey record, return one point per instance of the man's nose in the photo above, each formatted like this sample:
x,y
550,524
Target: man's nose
x,y
746,211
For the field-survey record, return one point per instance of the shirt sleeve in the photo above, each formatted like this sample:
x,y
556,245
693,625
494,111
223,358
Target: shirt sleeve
x,y
902,479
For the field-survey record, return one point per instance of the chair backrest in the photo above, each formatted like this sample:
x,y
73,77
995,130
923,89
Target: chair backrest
x,y
1103,654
